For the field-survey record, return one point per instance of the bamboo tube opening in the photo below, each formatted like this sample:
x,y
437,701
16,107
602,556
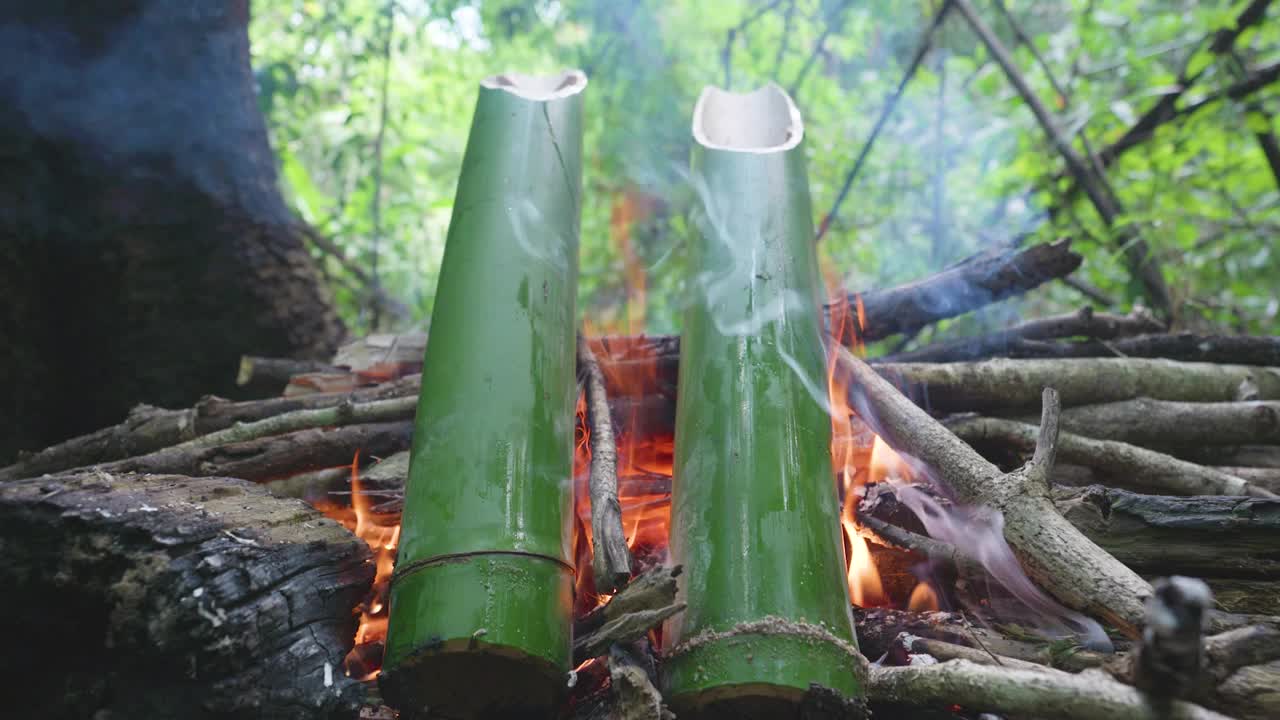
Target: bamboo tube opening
x,y
761,121
538,87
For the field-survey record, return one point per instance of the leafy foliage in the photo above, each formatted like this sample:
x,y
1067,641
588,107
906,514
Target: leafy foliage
x,y
961,164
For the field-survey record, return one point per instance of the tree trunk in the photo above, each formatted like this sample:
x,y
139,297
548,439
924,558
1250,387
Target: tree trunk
x,y
144,244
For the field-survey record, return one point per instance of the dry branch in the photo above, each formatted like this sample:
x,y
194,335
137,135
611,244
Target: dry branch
x,y
1136,467
610,556
1165,108
176,597
1054,554
878,629
276,456
1016,384
641,605
1084,323
1229,349
943,650
1022,692
149,428
1161,423
968,285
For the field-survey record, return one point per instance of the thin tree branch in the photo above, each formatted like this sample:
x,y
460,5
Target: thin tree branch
x,y
787,19
726,55
1138,256
376,206
833,24
1165,108
922,49
610,556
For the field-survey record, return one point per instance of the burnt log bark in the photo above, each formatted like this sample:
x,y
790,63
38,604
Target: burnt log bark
x,y
1205,536
144,244
972,283
176,597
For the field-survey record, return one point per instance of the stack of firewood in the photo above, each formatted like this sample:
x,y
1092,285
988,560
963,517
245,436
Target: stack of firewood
x,y
174,558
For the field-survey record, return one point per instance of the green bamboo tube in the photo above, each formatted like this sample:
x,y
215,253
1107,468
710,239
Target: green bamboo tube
x,y
481,599
755,516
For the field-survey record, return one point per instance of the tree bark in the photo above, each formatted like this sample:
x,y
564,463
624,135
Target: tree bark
x,y
144,245
1133,466
177,598
1207,537
1160,423
1016,384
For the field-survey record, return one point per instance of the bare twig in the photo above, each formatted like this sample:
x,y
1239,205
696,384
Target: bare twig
x,y
376,202
833,23
731,35
1041,464
922,49
610,556
1141,468
1165,107
1141,265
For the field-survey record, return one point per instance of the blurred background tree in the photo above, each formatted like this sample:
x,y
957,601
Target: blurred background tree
x,y
1171,105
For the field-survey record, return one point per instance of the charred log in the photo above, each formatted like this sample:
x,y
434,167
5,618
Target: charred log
x,y
1207,537
177,598
972,283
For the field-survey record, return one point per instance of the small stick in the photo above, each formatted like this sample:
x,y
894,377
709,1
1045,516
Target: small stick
x,y
610,556
1141,468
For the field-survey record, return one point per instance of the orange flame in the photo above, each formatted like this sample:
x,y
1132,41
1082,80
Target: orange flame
x,y
382,533
923,599
847,443
886,463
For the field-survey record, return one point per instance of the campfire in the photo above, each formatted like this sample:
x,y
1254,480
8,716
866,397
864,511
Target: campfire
x,y
1073,517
